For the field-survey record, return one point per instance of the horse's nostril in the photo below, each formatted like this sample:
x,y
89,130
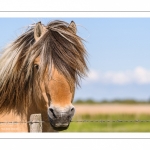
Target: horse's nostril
x,y
72,109
52,111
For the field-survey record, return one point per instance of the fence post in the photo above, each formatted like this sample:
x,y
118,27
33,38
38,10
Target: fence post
x,y
36,126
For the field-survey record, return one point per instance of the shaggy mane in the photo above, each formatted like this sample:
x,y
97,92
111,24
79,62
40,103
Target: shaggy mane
x,y
59,47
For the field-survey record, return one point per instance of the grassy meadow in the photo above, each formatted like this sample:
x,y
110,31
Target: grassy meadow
x,y
121,121
109,123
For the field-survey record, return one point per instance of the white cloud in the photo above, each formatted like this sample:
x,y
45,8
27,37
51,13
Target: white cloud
x,y
142,75
115,77
93,75
138,75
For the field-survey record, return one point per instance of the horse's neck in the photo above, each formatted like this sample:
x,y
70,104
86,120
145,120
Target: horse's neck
x,y
9,126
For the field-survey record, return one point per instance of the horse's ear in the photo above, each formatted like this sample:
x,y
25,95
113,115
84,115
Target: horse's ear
x,y
38,30
73,27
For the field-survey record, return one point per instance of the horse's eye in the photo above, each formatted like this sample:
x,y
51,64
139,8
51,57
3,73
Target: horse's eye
x,y
36,66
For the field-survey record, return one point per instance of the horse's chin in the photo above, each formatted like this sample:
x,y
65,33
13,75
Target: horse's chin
x,y
58,128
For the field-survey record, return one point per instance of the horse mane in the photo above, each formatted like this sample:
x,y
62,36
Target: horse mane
x,y
59,46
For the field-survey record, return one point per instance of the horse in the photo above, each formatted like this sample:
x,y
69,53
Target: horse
x,y
39,72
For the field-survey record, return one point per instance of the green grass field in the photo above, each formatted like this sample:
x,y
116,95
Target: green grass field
x,y
108,123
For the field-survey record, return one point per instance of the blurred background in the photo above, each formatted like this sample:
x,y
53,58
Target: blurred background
x,y
118,83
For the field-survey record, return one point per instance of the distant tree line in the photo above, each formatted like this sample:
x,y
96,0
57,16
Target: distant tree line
x,y
114,101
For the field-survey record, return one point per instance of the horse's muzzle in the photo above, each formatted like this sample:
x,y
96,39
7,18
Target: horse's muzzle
x,y
60,117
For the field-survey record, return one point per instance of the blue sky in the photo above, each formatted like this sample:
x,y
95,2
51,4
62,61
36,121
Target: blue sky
x,y
119,54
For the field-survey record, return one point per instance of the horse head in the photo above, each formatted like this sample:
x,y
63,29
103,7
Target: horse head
x,y
57,91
